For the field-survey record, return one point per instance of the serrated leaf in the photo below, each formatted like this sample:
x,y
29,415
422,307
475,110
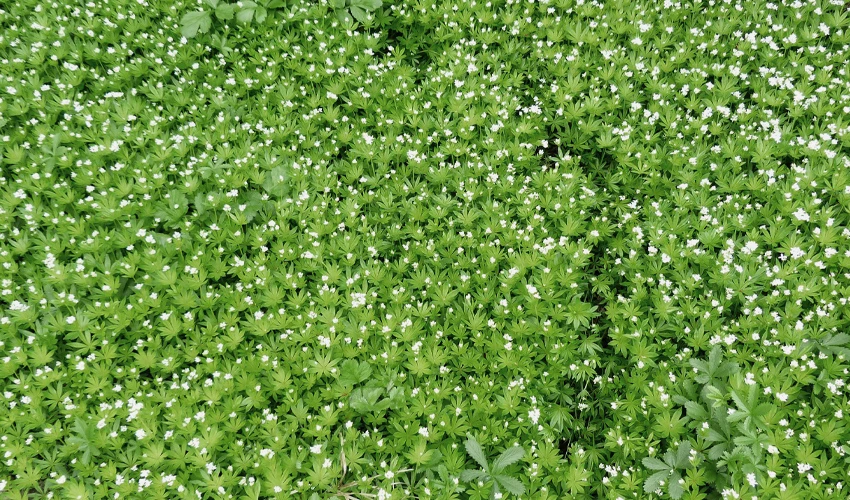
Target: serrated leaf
x,y
508,457
344,16
675,489
359,14
225,11
696,411
365,399
195,22
653,482
472,475
352,372
836,340
475,451
683,454
246,12
510,484
367,5
655,464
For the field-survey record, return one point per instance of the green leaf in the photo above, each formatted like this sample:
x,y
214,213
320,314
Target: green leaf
x,y
655,464
225,11
367,5
509,456
365,399
510,484
359,14
337,4
696,411
675,489
653,482
352,372
246,12
683,455
195,22
475,451
469,475
836,340
344,16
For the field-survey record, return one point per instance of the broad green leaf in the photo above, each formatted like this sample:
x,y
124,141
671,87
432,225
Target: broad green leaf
x,y
683,455
653,482
365,399
472,475
655,464
367,5
246,12
195,22
352,372
359,14
508,457
344,16
475,451
225,11
675,489
510,484
696,411
337,4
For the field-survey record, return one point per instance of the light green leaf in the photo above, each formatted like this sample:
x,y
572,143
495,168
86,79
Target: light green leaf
x,y
359,14
225,11
246,12
344,16
194,22
352,372
367,5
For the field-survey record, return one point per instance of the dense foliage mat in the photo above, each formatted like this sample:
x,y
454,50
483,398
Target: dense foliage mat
x,y
348,249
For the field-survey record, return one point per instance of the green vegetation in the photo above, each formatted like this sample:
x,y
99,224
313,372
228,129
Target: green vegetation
x,y
450,250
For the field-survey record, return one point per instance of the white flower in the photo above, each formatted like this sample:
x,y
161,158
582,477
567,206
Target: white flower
x,y
802,215
140,434
316,449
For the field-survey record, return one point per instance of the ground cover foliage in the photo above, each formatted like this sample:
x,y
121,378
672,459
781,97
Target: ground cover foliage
x,y
484,249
